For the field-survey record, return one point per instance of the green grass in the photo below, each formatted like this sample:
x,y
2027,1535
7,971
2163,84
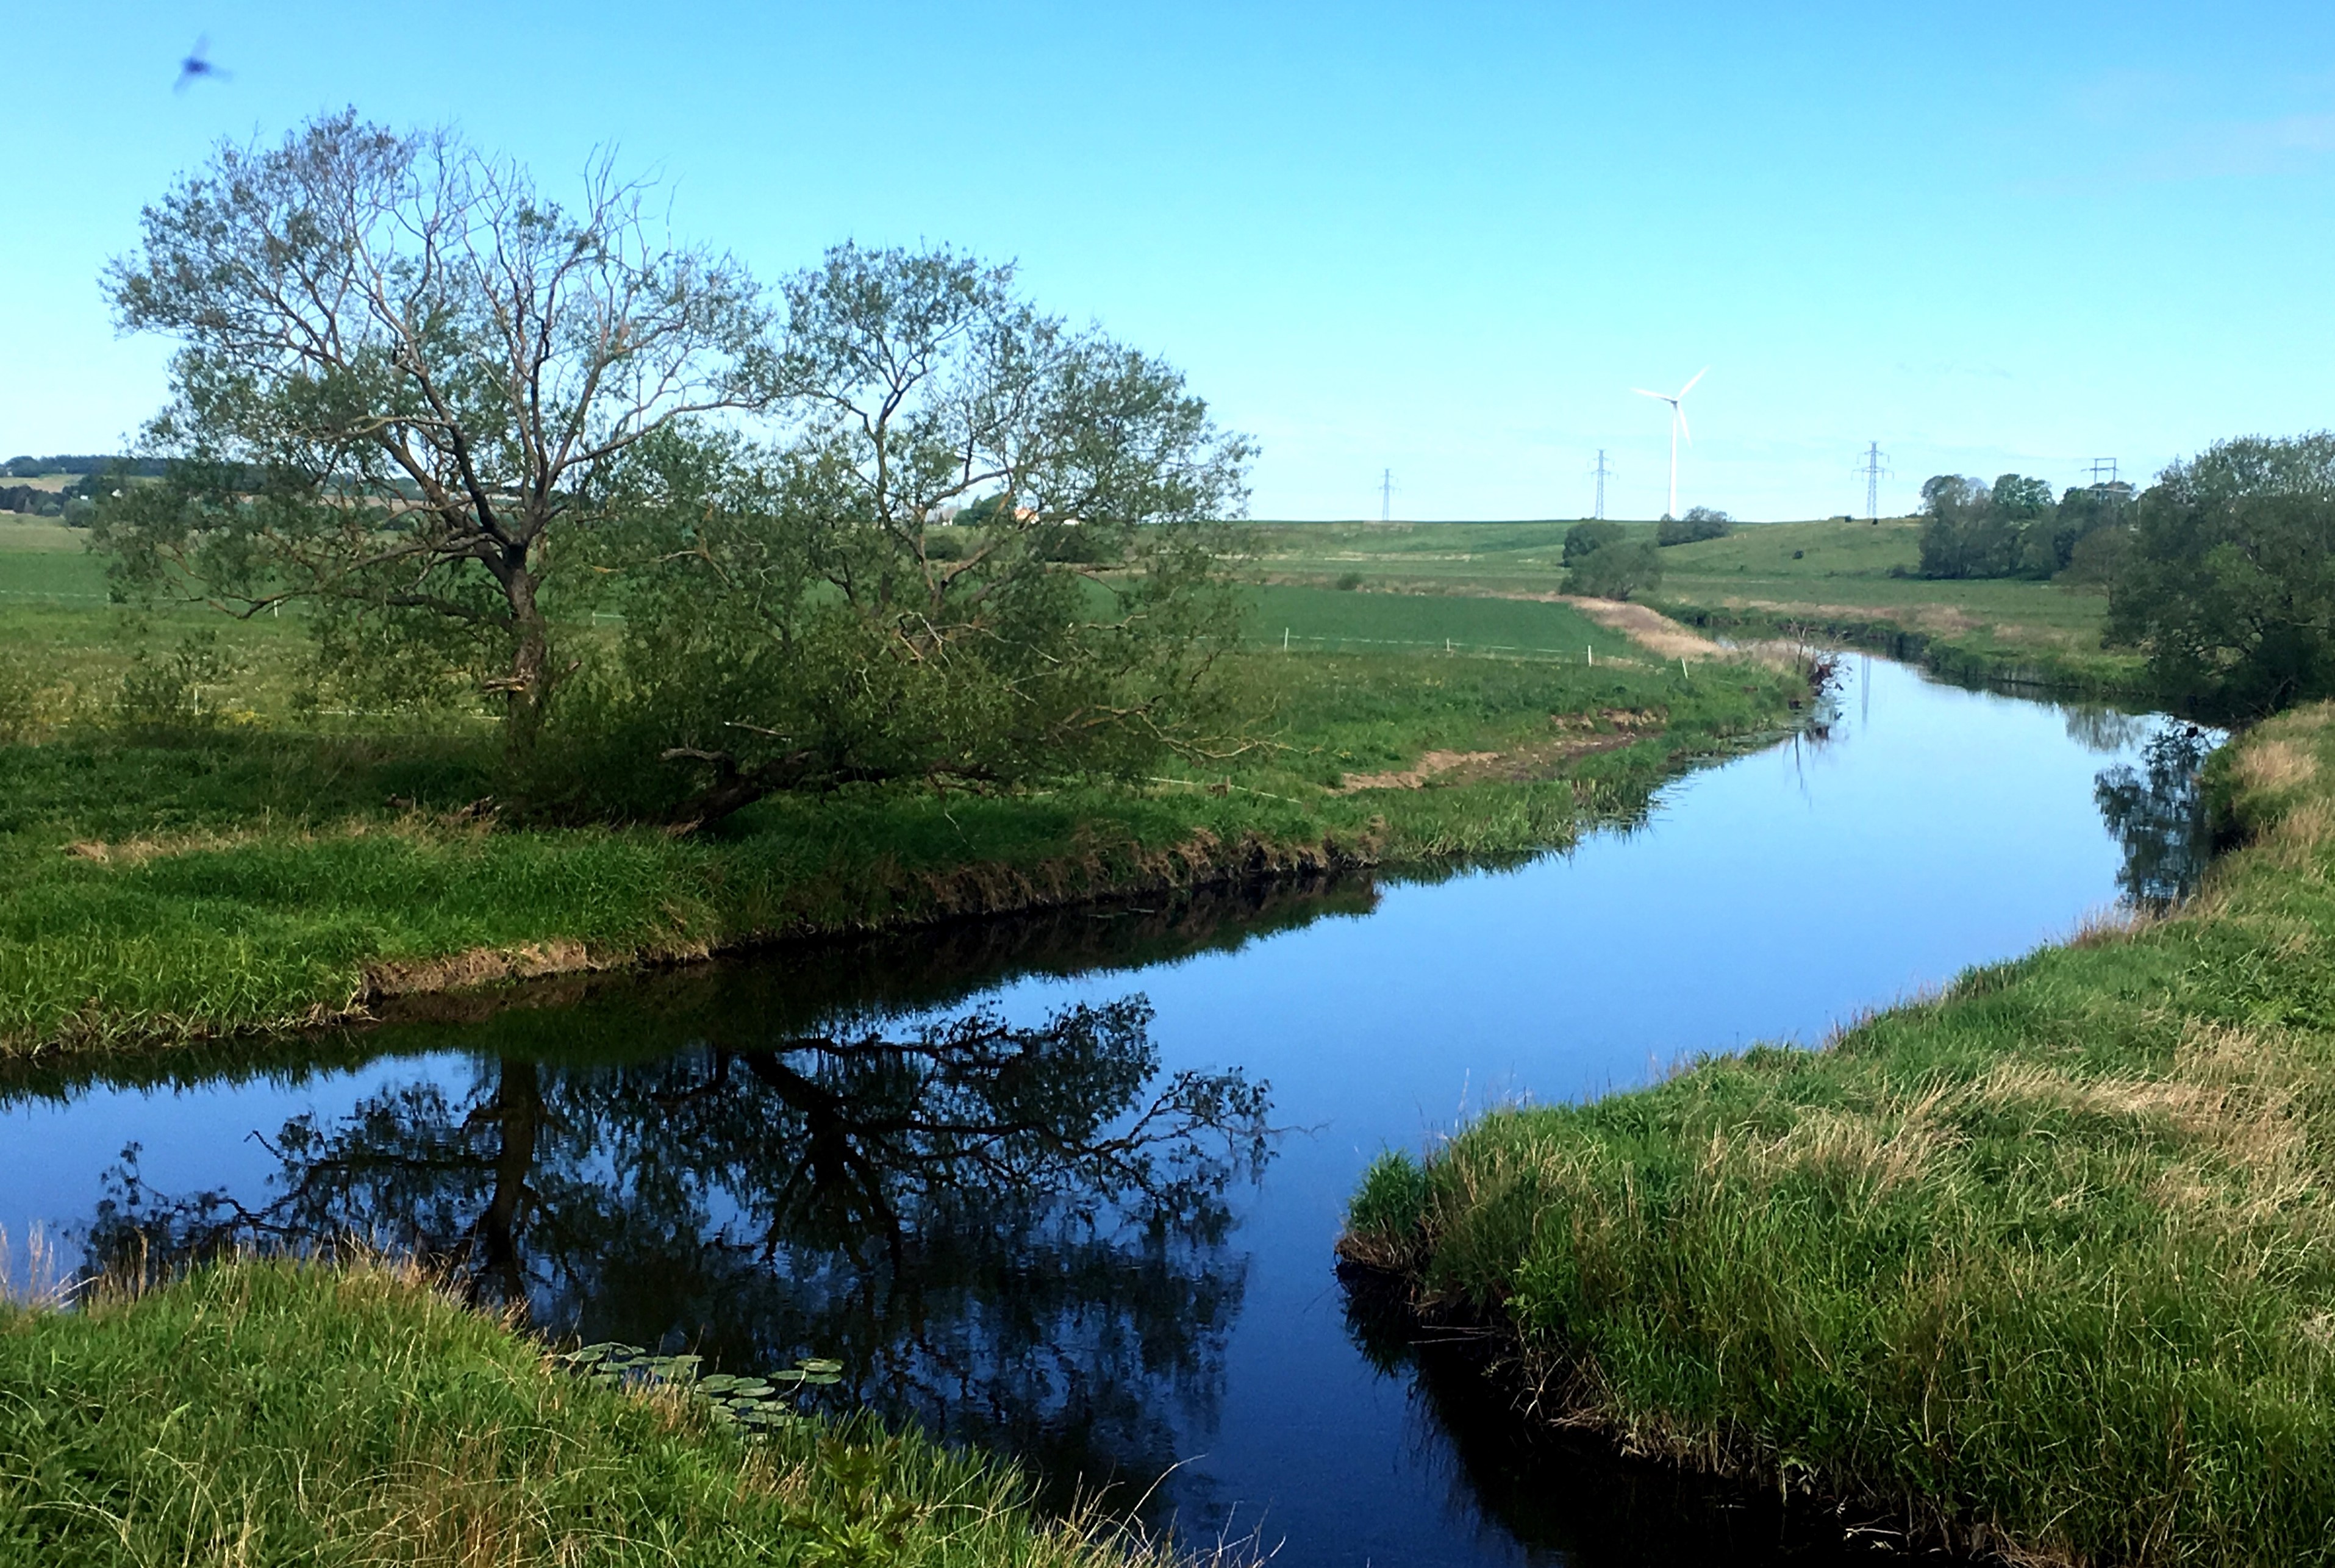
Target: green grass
x,y
1318,618
264,1414
2046,1263
280,869
1839,584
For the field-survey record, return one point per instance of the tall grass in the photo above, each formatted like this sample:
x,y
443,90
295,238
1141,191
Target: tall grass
x,y
268,1413
2045,1265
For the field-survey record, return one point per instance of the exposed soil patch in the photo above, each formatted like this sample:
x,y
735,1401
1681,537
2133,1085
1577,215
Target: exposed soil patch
x,y
1520,765
1431,765
485,965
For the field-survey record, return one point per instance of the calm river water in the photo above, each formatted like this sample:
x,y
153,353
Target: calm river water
x,y
921,1156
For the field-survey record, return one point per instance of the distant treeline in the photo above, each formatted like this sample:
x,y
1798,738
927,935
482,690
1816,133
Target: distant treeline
x,y
86,463
2222,571
75,503
2013,528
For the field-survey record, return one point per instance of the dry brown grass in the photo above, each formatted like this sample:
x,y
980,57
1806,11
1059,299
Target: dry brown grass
x,y
484,967
2274,765
1649,629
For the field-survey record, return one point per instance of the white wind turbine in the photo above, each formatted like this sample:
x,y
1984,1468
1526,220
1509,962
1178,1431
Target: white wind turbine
x,y
1677,424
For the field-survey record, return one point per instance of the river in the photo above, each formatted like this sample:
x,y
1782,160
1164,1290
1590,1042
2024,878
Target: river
x,y
927,1155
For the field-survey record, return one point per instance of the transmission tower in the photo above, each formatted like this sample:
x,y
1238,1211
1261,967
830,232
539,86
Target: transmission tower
x,y
1874,474
2104,474
1604,472
1386,496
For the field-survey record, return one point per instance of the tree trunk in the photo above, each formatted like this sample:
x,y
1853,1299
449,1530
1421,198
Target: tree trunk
x,y
527,689
517,1114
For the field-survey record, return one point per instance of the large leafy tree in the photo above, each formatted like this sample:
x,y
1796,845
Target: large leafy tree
x,y
404,377
2227,580
809,614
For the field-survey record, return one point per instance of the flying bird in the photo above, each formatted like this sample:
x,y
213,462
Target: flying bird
x,y
198,65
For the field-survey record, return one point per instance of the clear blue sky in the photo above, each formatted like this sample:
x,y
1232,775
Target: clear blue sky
x,y
1445,239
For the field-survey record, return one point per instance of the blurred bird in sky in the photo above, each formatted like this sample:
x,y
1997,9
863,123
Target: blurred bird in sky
x,y
197,64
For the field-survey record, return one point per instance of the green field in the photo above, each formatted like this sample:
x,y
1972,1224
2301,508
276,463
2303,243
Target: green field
x,y
276,864
1329,618
1839,584
273,1413
2044,1265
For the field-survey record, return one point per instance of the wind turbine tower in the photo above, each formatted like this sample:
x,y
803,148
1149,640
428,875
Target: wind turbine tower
x,y
1678,426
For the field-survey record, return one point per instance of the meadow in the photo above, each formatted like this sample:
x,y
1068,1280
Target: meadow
x,y
2037,1266
268,865
1844,579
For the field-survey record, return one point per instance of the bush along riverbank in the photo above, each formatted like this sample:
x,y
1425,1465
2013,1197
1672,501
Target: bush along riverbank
x,y
279,1413
2045,1265
165,887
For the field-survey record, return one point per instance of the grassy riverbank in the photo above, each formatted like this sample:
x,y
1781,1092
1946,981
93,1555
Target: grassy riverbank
x,y
2045,1265
270,867
1844,580
273,1413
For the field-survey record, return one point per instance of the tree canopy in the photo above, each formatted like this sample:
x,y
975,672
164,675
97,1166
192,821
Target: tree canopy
x,y
2227,581
454,416
1615,571
403,376
1584,537
788,621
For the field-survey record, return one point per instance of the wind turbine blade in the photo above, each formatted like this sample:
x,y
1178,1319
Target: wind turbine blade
x,y
1698,376
1658,397
1682,424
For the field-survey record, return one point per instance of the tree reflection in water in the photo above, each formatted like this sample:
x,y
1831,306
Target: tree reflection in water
x,y
2157,813
1014,1235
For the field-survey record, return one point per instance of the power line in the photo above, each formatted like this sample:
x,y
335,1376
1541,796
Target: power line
x,y
1604,472
2104,473
1874,474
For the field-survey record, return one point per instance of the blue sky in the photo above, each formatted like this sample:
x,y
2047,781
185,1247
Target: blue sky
x,y
1441,240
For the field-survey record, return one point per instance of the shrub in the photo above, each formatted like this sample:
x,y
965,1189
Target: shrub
x,y
1615,571
167,693
1699,523
1586,538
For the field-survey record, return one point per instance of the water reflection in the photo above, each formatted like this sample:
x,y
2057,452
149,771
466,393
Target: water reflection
x,y
2157,813
1562,1494
2106,730
1013,1234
